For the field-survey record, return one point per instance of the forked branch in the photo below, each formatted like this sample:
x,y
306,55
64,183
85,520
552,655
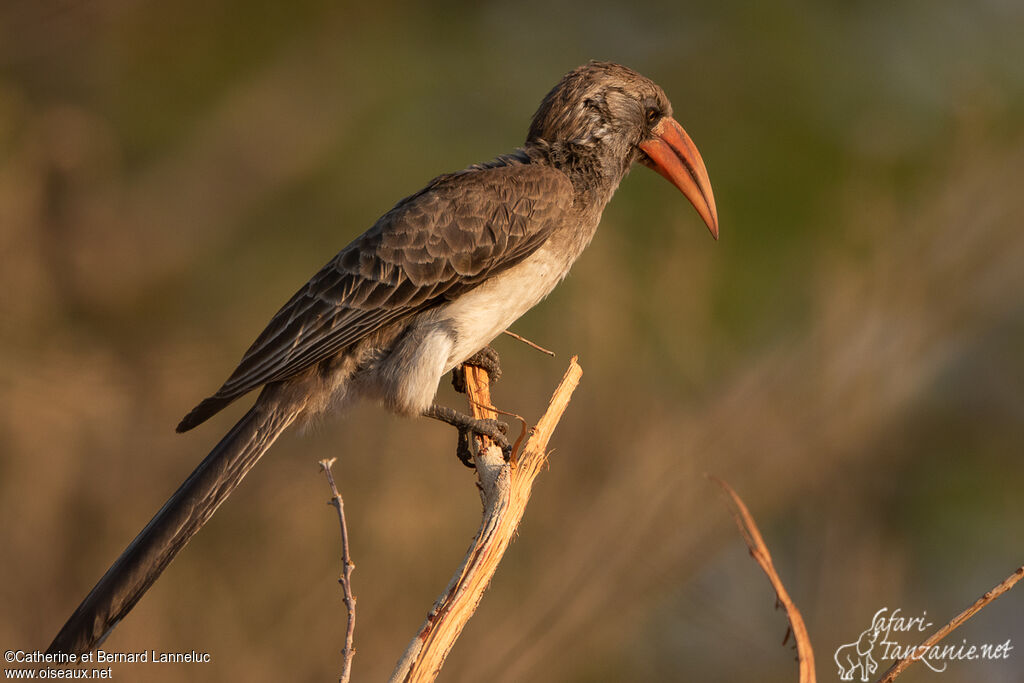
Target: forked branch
x,y
505,490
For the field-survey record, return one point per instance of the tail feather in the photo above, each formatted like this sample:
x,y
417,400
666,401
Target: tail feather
x,y
178,520
206,409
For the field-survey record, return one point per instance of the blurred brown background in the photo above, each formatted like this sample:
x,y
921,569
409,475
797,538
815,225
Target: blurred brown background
x,y
850,356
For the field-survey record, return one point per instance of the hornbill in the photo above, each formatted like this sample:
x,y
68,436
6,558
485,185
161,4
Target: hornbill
x,y
427,287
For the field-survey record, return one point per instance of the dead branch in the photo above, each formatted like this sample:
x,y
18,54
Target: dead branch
x,y
504,490
759,551
898,668
348,652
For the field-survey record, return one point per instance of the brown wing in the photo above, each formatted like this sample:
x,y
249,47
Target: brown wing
x,y
431,247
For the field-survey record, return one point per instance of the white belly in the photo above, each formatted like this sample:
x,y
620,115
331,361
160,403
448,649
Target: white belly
x,y
485,312
406,379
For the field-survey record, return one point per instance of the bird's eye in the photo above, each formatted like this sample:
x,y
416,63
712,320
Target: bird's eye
x,y
652,114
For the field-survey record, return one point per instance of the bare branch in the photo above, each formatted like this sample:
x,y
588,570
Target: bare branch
x,y
759,551
505,490
898,668
348,652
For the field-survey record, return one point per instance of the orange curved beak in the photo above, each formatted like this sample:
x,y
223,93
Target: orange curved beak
x,y
672,153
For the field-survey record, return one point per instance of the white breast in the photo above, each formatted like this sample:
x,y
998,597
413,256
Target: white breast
x,y
485,312
406,379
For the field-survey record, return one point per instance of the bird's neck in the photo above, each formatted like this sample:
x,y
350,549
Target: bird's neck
x,y
594,177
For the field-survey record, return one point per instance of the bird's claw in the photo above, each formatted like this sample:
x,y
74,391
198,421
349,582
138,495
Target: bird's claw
x,y
495,430
468,425
486,359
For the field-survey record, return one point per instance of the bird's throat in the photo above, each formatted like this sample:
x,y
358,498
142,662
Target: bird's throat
x,y
594,175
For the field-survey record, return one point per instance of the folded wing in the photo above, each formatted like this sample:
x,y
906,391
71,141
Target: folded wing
x,y
432,247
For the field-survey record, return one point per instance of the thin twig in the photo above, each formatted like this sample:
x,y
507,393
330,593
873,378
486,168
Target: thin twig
x,y
529,343
759,551
919,652
348,652
505,491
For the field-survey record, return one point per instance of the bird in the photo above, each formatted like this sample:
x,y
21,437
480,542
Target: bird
x,y
422,291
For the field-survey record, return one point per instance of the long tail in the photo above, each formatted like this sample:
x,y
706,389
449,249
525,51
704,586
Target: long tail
x,y
178,520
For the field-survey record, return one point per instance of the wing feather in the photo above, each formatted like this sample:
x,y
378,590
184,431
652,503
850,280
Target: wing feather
x,y
431,247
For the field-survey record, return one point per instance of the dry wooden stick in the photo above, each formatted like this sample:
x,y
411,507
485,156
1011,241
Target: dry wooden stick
x,y
348,652
918,652
504,491
759,551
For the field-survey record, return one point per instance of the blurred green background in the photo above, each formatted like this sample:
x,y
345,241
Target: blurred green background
x,y
850,355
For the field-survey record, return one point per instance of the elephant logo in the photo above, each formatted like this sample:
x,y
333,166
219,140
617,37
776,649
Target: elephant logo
x,y
857,655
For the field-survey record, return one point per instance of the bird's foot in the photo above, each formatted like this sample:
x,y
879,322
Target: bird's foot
x,y
469,426
486,359
493,429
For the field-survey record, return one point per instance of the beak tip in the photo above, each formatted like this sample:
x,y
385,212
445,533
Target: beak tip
x,y
710,216
673,155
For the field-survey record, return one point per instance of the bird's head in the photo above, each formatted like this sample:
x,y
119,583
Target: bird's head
x,y
614,115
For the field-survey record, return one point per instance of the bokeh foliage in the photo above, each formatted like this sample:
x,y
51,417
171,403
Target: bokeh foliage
x,y
849,356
